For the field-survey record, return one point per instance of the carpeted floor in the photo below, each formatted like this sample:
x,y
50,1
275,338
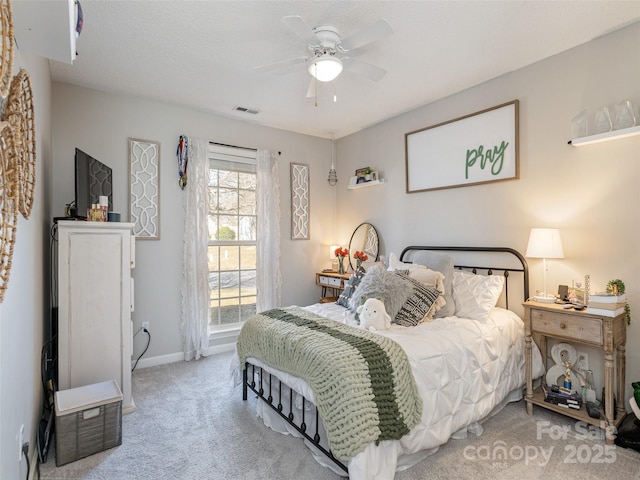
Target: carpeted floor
x,y
191,424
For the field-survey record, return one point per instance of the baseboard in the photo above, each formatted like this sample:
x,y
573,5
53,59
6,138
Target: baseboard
x,y
160,360
179,356
32,462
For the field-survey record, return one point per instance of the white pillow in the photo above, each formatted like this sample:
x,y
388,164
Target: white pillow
x,y
475,295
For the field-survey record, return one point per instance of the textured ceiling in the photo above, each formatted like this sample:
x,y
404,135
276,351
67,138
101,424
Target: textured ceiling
x,y
202,54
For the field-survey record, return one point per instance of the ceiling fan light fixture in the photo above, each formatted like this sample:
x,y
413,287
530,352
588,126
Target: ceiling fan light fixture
x,y
325,67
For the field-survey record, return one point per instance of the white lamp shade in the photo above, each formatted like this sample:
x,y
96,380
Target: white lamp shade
x,y
545,243
332,251
325,68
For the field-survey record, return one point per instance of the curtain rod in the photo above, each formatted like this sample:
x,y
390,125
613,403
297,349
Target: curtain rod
x,y
236,146
233,146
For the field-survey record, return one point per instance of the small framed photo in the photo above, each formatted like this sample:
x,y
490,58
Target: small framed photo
x,y
361,172
374,176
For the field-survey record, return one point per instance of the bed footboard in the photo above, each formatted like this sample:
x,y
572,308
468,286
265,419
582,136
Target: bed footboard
x,y
275,387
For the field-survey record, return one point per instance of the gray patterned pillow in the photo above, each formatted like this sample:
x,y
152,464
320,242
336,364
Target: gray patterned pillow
x,y
420,305
350,287
389,287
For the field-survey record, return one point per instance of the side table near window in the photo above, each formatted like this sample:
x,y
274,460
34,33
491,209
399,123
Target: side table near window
x,y
542,320
332,283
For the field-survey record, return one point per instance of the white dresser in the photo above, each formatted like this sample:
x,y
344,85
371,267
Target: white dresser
x,y
95,301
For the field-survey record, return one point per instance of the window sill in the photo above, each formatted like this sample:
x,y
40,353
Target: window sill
x,y
224,332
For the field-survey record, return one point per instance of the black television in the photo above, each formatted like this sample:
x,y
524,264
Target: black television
x,y
93,179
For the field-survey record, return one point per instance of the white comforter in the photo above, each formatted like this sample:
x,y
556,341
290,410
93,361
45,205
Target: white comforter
x,y
464,369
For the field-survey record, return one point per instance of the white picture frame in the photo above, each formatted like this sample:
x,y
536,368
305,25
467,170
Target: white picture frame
x,y
477,148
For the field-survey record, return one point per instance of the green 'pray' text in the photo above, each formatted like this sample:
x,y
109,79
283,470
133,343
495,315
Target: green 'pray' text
x,y
494,156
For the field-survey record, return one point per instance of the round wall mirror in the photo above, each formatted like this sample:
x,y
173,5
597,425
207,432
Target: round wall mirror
x,y
364,239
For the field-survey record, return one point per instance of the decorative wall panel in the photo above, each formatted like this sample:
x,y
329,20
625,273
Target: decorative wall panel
x,y
299,202
144,188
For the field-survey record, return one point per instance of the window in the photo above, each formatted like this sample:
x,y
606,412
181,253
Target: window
x,y
232,236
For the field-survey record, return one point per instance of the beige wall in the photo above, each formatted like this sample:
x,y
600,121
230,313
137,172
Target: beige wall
x,y
591,193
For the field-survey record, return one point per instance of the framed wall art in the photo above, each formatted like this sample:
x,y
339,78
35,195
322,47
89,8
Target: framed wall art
x,y
299,202
477,148
144,188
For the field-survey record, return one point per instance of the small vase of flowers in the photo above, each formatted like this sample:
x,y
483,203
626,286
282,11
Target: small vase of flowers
x,y
360,257
340,254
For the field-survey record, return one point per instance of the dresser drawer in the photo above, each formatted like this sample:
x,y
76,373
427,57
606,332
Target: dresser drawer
x,y
330,281
566,325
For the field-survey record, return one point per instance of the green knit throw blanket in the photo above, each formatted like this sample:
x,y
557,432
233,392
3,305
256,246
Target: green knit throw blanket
x,y
362,382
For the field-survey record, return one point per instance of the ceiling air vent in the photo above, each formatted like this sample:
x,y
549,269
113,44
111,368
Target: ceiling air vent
x,y
252,111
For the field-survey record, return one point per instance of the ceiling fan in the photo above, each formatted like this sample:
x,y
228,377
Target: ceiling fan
x,y
326,58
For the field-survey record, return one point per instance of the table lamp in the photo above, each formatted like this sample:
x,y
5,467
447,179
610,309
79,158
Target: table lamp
x,y
332,256
545,243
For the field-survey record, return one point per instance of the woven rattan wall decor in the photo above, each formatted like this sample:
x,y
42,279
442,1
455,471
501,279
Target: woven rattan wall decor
x,y
19,114
6,62
8,203
8,154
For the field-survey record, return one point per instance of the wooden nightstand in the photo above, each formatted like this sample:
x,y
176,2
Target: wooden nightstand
x,y
542,320
333,281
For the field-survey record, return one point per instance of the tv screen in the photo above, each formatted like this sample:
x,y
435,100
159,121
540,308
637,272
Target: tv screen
x,y
93,179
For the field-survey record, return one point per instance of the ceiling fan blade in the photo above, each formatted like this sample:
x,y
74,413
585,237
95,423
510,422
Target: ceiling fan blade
x,y
278,65
297,25
363,69
368,34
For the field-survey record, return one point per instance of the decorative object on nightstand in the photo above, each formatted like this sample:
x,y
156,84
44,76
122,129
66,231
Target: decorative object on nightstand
x,y
561,353
612,303
545,243
340,254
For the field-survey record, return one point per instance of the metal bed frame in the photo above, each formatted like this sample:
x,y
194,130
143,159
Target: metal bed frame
x,y
254,381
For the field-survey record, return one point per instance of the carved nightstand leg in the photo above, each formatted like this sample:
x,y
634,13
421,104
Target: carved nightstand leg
x,y
608,387
528,373
620,377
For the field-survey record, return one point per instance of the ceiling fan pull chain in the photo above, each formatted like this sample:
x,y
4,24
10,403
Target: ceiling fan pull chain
x,y
315,80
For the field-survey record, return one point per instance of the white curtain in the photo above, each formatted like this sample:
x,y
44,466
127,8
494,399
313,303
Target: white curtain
x,y
195,285
269,279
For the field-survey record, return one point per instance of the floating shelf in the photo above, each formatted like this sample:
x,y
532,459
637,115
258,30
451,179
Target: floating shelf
x,y
603,137
371,183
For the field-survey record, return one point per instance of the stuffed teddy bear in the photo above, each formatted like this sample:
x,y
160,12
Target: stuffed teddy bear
x,y
373,315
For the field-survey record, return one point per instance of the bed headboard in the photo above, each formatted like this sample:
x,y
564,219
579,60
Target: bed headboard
x,y
487,260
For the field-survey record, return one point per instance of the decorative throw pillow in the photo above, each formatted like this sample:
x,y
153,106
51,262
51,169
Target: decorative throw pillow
x,y
440,262
430,278
476,295
419,306
389,287
350,287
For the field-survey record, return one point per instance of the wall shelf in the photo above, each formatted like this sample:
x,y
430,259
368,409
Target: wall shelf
x,y
354,186
603,137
